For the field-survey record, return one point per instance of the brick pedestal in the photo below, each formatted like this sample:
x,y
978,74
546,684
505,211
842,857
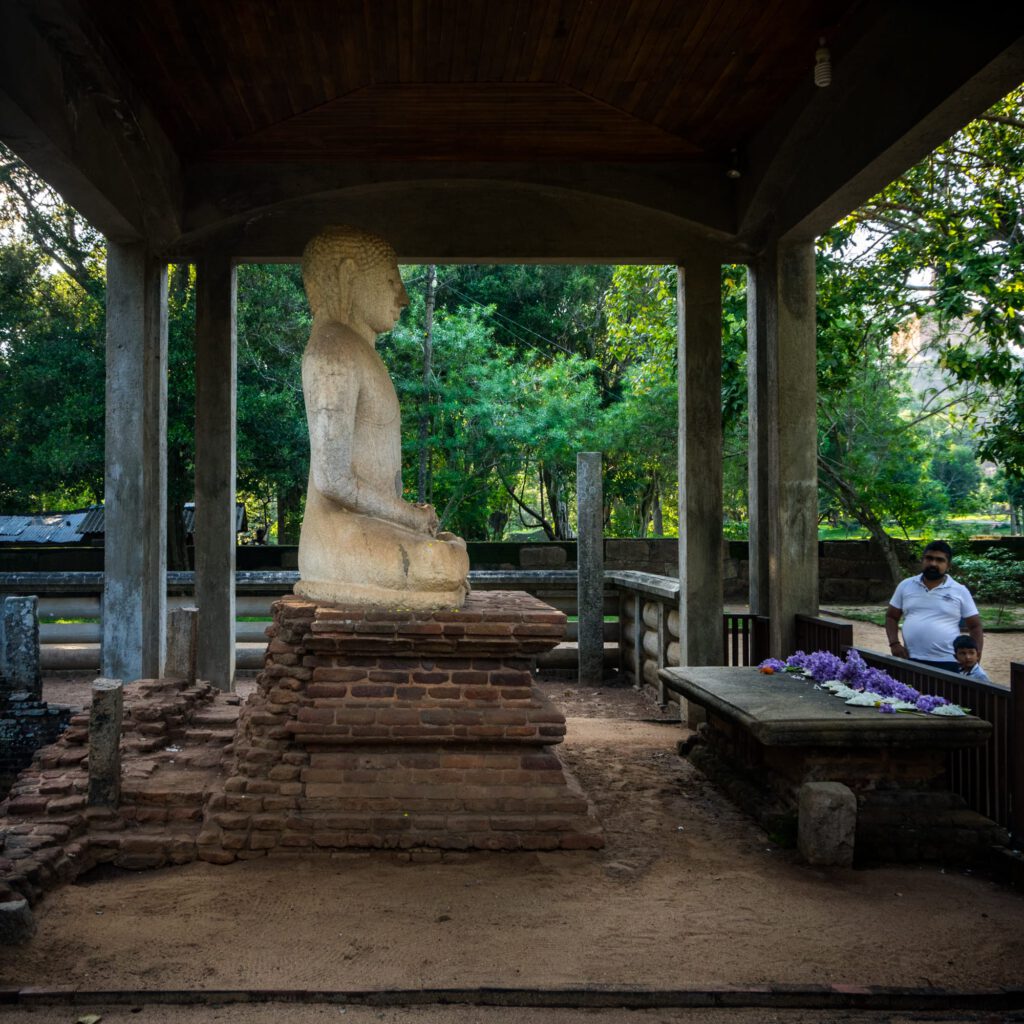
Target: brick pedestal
x,y
401,730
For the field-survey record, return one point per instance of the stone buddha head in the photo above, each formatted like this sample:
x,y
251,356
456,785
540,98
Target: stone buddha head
x,y
352,277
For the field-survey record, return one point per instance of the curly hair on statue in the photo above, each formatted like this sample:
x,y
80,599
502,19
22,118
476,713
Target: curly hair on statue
x,y
327,251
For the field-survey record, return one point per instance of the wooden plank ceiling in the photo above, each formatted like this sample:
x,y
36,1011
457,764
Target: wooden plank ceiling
x,y
466,80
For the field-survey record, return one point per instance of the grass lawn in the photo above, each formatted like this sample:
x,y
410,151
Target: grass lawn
x,y
1008,618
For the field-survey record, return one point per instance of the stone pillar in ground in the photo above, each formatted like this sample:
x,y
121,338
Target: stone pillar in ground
x,y
781,364
105,743
590,567
20,657
17,922
215,535
826,823
182,631
135,487
699,298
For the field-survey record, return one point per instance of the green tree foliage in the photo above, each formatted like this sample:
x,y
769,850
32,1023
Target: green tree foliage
x,y
950,232
273,443
955,467
51,434
505,425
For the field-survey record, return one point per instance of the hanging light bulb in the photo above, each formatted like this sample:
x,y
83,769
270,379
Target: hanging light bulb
x,y
733,170
822,66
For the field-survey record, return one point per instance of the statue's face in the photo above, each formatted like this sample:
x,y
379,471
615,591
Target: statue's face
x,y
379,297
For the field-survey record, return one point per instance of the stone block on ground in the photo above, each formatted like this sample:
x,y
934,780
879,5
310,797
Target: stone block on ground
x,y
19,660
105,742
182,639
827,823
17,922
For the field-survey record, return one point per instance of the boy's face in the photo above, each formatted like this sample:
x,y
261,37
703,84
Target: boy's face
x,y
967,657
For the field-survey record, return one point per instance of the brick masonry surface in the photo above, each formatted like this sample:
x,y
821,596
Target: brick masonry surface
x,y
401,730
174,738
467,762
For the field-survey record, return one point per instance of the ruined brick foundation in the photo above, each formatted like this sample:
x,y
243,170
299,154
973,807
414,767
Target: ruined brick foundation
x,y
393,729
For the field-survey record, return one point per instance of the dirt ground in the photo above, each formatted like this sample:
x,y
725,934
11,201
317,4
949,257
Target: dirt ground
x,y
688,893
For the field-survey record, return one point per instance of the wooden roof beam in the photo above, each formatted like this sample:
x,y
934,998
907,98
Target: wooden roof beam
x,y
476,212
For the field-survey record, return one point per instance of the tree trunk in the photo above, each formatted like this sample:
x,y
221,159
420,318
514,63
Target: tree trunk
x,y
659,522
850,501
551,484
289,515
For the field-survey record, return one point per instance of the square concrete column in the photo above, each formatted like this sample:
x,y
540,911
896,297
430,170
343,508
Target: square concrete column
x,y
215,470
135,486
699,298
783,440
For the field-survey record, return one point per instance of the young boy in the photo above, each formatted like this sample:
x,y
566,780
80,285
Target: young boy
x,y
965,650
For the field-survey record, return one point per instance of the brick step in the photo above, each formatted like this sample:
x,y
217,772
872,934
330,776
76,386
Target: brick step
x,y
203,734
178,794
216,716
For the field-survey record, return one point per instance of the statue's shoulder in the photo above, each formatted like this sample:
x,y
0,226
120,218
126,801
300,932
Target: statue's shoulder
x,y
333,341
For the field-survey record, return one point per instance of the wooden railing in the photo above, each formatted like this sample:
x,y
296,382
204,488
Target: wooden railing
x,y
990,778
744,638
816,634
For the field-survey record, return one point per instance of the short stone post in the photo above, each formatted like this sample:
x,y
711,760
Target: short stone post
x,y
21,646
826,823
182,632
105,742
17,923
590,567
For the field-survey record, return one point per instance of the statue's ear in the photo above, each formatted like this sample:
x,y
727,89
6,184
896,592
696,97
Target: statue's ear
x,y
346,279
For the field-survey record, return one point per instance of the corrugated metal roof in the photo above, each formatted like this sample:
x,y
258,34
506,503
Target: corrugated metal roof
x,y
46,528
74,527
189,512
93,521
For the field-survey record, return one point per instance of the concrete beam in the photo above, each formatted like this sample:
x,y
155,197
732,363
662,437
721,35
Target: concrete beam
x,y
135,489
699,298
69,111
216,372
783,440
902,84
461,218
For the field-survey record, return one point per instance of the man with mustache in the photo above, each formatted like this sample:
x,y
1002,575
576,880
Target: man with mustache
x,y
934,605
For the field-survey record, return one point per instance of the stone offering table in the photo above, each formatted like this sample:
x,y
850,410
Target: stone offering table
x,y
769,735
401,729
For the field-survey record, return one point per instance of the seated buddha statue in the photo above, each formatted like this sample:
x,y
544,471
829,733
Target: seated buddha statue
x,y
361,543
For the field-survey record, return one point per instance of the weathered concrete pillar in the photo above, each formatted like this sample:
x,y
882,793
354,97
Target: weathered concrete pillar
x,y
105,742
19,660
182,635
215,470
783,439
590,567
699,300
135,487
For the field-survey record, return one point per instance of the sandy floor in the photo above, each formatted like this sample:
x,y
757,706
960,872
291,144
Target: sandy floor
x,y
688,893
